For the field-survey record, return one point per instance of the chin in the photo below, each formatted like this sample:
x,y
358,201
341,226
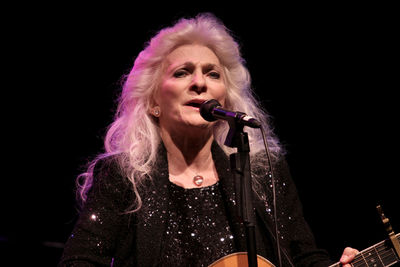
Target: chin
x,y
203,125
200,123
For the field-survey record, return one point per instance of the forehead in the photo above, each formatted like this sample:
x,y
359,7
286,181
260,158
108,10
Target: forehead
x,y
192,53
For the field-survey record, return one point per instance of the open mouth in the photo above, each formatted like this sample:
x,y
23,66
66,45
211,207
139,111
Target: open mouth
x,y
191,104
196,103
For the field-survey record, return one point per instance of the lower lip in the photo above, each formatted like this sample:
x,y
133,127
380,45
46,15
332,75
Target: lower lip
x,y
196,108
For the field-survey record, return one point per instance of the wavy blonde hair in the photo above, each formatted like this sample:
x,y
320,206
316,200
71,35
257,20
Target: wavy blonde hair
x,y
134,134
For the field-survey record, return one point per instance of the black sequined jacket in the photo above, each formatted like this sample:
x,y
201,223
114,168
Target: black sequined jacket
x,y
106,236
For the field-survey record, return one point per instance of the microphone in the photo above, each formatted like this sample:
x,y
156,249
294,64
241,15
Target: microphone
x,y
211,110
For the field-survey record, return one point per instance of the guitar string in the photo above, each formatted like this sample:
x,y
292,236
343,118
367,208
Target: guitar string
x,y
378,254
386,254
361,258
373,256
390,256
381,254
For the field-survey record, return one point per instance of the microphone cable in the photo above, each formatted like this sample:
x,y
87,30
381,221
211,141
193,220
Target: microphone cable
x,y
270,174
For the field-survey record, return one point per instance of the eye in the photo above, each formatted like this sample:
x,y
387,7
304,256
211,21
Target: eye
x,y
214,74
180,73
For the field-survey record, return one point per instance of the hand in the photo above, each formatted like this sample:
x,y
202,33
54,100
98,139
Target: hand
x,y
348,256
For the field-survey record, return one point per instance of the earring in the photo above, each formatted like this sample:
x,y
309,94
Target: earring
x,y
156,111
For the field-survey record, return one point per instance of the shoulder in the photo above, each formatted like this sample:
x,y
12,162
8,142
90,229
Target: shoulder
x,y
108,186
107,164
260,164
108,174
282,179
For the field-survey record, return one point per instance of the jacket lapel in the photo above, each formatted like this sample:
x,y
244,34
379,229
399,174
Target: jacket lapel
x,y
228,192
153,215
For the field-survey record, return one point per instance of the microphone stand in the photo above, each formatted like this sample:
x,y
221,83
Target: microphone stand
x,y
240,167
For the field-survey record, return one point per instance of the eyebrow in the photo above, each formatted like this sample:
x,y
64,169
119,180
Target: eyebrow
x,y
207,66
211,66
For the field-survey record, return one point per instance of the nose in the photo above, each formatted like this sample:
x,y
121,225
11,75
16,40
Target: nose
x,y
198,83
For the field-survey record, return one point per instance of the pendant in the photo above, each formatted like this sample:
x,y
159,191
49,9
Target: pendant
x,y
198,180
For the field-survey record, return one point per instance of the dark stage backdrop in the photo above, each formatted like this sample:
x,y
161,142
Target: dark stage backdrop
x,y
328,75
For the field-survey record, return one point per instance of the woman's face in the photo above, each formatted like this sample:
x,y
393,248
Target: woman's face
x,y
192,75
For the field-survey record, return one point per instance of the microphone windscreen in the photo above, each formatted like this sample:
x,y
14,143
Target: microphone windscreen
x,y
206,109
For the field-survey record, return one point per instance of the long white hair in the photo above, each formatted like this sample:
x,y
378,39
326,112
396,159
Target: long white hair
x,y
134,134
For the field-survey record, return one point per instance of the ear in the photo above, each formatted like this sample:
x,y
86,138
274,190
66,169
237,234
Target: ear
x,y
156,111
154,108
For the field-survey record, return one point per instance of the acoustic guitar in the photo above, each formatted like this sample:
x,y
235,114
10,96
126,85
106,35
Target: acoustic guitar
x,y
385,253
382,254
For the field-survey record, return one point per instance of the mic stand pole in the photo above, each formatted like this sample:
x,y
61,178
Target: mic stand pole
x,y
240,167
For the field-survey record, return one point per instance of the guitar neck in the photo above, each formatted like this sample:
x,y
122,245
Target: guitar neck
x,y
381,254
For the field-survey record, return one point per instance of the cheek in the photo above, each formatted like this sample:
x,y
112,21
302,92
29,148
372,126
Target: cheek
x,y
220,94
168,92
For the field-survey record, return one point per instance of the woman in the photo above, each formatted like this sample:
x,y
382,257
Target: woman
x,y
162,194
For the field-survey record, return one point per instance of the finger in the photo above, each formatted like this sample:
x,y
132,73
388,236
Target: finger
x,y
348,255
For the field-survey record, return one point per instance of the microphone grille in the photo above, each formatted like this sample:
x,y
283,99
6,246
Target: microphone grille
x,y
206,109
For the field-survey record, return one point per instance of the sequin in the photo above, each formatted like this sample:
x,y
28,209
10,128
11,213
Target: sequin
x,y
184,227
197,227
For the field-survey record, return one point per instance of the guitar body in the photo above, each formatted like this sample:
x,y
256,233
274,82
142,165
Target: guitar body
x,y
239,259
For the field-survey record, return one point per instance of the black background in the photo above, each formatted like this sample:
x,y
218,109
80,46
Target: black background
x,y
327,74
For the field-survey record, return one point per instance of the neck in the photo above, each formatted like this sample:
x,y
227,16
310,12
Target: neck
x,y
191,150
189,156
